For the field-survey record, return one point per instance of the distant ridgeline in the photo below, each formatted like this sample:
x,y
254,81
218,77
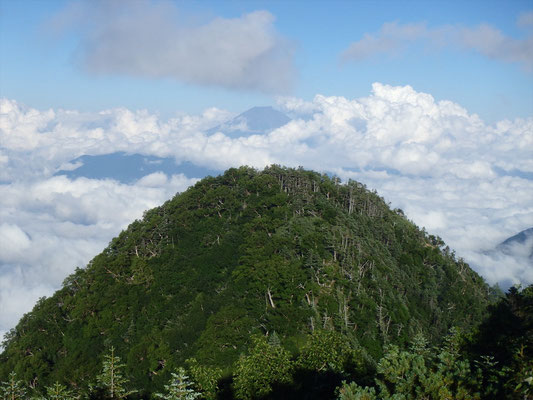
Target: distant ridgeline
x,y
279,252
518,245
127,168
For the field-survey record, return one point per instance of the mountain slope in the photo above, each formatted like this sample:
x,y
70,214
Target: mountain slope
x,y
247,252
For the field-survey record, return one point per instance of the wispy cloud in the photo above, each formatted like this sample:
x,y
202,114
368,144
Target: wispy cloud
x,y
152,39
394,38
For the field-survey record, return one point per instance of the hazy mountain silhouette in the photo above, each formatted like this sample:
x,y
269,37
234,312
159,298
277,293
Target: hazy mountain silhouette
x,y
257,120
519,245
127,168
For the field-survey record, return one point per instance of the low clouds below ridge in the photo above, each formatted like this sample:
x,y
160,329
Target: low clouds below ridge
x,y
467,181
154,40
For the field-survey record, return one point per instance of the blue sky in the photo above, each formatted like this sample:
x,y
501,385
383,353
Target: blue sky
x,y
430,103
38,66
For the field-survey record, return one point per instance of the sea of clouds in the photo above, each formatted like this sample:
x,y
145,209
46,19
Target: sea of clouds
x,y
463,179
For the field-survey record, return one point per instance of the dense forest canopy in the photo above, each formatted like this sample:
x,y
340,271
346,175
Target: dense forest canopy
x,y
318,275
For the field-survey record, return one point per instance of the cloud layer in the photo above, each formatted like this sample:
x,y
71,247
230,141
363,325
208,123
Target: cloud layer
x,y
394,38
154,40
467,181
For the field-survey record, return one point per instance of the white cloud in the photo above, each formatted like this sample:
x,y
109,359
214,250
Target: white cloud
x,y
464,180
39,143
156,179
505,268
154,40
13,242
394,38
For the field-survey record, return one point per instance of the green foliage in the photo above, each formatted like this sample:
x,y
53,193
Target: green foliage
x,y
268,371
245,253
178,388
520,381
58,392
112,379
503,346
12,389
352,391
264,366
448,372
420,373
205,378
330,350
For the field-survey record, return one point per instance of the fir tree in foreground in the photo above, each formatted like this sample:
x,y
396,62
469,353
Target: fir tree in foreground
x,y
58,392
12,389
112,380
179,387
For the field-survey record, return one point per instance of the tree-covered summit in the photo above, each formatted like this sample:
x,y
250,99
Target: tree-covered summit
x,y
282,253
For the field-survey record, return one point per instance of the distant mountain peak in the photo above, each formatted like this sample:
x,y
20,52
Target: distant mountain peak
x,y
264,118
256,120
520,237
519,245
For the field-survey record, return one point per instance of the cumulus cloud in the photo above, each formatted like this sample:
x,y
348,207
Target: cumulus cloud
x,y
13,242
41,142
463,179
152,39
394,38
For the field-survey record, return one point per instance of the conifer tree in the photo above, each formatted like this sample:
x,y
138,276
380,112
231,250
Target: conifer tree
x,y
12,389
178,388
112,379
58,392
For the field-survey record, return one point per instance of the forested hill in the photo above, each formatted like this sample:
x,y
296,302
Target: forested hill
x,y
279,252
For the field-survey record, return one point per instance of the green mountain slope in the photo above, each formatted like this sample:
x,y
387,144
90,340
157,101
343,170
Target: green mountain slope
x,y
280,250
